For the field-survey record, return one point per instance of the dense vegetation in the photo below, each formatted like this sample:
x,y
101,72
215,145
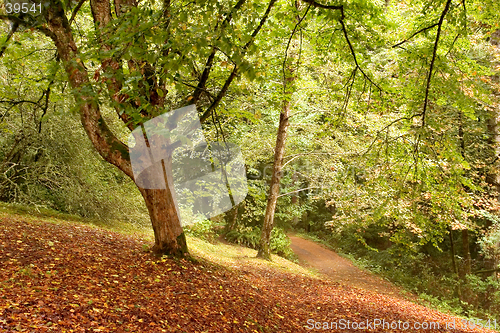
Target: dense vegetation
x,y
393,138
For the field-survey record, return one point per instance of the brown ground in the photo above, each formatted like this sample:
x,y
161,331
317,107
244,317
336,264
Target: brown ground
x,y
68,277
338,269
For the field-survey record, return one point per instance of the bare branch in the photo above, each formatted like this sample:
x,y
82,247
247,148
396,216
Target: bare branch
x,y
46,106
296,191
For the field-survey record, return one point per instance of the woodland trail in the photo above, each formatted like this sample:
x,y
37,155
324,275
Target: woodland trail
x,y
339,269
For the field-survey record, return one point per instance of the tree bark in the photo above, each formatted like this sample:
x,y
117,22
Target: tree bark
x,y
169,236
453,260
267,227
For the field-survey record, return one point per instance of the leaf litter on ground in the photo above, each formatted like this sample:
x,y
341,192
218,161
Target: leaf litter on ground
x,y
69,277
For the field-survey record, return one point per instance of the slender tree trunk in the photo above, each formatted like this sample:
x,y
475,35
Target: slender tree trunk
x,y
232,217
465,232
493,177
458,289
466,251
279,152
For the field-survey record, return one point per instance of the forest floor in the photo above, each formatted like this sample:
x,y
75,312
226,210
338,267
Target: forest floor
x,y
327,262
62,276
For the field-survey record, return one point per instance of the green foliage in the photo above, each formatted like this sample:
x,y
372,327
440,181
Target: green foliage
x,y
392,131
490,242
428,275
206,229
250,237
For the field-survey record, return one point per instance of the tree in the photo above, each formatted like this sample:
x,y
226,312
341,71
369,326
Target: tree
x,y
138,53
289,75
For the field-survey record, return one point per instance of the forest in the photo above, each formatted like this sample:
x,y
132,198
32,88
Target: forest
x,y
370,127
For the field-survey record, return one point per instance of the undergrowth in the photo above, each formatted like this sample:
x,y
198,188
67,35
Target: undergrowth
x,y
429,277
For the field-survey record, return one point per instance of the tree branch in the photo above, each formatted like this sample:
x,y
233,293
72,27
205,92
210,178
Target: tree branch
x,y
233,74
12,18
107,144
434,53
208,66
75,11
353,53
13,29
386,127
288,46
416,33
344,30
299,190
318,5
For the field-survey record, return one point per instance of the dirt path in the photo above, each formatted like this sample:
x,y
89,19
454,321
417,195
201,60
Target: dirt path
x,y
341,270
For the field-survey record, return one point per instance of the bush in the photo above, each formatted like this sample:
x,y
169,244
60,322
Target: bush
x,y
246,236
58,168
250,237
206,229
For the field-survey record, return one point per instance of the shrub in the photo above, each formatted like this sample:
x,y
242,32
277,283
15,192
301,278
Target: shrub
x,y
250,237
206,229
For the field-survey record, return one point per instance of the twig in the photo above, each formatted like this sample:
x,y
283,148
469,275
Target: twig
x,y
416,33
208,66
288,46
318,5
300,190
342,17
346,36
386,127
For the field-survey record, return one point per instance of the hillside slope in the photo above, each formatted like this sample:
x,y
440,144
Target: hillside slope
x,y
70,277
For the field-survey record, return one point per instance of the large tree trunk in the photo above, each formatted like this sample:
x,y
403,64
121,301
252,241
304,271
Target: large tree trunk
x,y
169,237
162,208
267,227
